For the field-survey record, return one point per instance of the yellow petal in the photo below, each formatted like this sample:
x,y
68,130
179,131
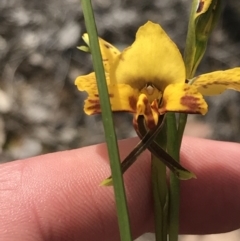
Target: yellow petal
x,y
183,98
152,59
217,82
108,51
122,96
86,82
150,112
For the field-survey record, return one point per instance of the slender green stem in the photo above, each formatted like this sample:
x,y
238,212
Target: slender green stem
x,y
175,134
160,190
199,30
174,204
171,135
120,197
188,57
182,121
190,48
174,192
160,195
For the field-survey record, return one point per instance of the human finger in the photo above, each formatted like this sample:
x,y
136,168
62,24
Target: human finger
x,y
57,196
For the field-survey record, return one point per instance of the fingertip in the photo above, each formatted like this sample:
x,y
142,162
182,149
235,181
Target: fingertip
x,y
62,198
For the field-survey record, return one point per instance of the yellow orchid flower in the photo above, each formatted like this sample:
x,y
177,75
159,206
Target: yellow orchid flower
x,y
148,78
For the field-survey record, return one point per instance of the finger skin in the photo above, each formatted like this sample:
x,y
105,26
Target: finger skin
x,y
58,197
210,203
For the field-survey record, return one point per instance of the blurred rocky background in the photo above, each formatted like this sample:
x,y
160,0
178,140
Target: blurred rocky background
x,y
41,109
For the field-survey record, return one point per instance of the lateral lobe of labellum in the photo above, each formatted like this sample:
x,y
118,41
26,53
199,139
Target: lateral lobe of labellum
x,y
139,148
181,172
147,142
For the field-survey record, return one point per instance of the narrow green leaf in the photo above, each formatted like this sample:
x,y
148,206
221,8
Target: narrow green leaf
x,y
159,187
120,197
174,189
178,170
160,196
190,47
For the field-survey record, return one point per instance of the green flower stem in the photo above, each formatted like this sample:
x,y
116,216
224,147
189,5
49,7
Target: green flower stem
x,y
182,121
174,192
113,152
199,31
190,48
160,189
188,57
160,195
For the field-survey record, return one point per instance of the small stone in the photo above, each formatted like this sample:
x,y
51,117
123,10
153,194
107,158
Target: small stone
x,y
5,102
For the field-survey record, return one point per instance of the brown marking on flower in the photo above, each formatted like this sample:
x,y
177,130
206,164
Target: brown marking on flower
x,y
150,123
121,57
204,86
94,107
228,83
145,101
132,102
97,96
148,111
135,123
162,110
221,82
191,102
107,46
93,101
96,111
154,105
186,88
200,6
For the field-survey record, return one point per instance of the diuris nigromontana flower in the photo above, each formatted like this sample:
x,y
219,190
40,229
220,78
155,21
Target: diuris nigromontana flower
x,y
149,78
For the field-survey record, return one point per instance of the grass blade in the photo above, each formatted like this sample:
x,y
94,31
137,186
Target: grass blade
x,y
111,140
